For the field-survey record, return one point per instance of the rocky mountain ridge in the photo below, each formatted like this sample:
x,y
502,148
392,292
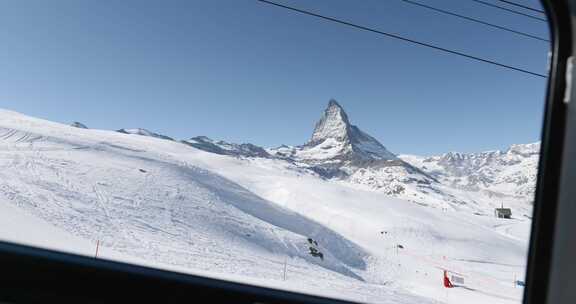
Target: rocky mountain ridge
x,y
340,151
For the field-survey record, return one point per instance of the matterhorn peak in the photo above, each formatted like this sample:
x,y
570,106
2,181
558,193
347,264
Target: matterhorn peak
x,y
333,124
335,137
334,103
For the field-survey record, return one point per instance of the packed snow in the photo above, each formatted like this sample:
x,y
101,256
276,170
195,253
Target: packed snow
x,y
170,205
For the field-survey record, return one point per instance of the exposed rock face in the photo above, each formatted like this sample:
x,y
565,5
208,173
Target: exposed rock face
x,y
340,150
224,148
335,139
144,132
78,125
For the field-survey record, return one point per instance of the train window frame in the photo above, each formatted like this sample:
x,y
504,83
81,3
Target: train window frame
x,y
546,273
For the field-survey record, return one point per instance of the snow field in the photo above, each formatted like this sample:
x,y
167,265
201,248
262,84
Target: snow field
x,y
164,204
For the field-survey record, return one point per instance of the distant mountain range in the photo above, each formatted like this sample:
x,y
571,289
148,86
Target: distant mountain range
x,y
342,152
510,173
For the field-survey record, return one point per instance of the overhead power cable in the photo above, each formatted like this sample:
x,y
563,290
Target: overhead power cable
x,y
509,10
398,37
442,11
522,6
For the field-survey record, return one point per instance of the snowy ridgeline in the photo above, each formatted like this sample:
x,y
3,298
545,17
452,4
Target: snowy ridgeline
x,y
262,220
341,152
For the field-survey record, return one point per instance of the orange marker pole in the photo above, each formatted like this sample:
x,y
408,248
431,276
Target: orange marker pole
x,y
97,245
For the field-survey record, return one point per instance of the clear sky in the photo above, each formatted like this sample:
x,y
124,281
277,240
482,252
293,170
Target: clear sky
x,y
243,71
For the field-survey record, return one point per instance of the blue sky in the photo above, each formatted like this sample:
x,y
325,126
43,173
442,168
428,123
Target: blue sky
x,y
243,71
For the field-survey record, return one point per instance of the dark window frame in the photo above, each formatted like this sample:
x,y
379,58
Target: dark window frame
x,y
546,203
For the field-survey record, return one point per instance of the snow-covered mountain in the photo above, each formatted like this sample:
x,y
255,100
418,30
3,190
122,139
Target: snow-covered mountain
x,y
336,140
336,143
245,218
342,152
506,174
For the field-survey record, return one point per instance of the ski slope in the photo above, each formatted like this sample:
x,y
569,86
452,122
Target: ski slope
x,y
165,204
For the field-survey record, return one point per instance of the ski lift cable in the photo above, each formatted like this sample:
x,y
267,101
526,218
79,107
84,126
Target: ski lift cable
x,y
442,11
522,6
509,10
402,38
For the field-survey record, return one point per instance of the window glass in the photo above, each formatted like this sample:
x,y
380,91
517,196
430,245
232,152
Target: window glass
x,y
374,151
